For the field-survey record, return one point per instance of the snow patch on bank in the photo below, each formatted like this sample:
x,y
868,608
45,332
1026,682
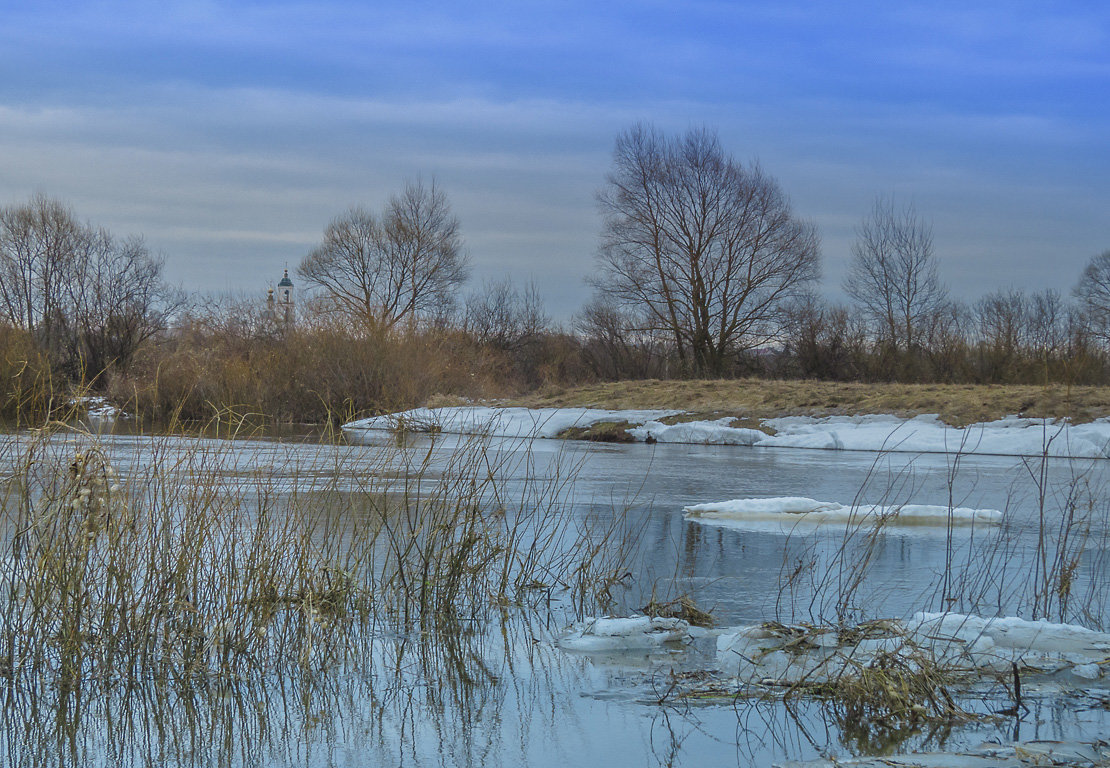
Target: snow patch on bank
x,y
96,407
716,432
500,422
1011,436
791,510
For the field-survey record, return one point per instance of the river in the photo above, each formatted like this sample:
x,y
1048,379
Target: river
x,y
500,692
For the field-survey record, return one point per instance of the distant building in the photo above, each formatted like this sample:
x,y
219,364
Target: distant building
x,y
283,306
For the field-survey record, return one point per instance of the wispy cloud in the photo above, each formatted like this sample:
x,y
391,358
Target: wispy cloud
x,y
231,132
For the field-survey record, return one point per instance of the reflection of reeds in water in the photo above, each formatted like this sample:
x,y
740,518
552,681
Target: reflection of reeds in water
x,y
208,609
1047,560
443,692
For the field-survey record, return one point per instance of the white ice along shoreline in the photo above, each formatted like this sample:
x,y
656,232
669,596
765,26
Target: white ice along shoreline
x,y
1011,436
791,510
500,422
98,408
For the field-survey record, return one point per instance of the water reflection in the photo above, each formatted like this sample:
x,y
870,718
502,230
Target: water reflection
x,y
493,690
494,693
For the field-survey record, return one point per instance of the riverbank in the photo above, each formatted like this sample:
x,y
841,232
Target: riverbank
x,y
957,405
1011,436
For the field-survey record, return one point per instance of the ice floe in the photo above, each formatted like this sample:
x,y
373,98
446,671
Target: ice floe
x,y
957,644
1012,436
792,510
635,633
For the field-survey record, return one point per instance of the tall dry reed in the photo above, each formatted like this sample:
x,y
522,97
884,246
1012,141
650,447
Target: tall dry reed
x,y
203,558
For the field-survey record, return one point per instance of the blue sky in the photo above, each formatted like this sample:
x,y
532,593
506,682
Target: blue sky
x,y
229,133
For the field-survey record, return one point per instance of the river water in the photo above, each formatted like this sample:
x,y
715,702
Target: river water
x,y
499,692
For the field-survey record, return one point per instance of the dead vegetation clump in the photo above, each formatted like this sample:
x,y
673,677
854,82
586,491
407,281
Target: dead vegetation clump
x,y
682,607
880,695
738,419
600,432
892,695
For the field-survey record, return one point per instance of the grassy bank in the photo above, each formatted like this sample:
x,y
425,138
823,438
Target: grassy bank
x,y
957,404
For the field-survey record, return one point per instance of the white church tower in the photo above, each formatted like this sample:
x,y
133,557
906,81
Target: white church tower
x,y
285,304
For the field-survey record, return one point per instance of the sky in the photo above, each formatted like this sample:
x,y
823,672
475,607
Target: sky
x,y
228,134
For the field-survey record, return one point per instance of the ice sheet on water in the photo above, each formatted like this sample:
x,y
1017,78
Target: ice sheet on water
x,y
1015,633
957,644
717,432
601,635
792,510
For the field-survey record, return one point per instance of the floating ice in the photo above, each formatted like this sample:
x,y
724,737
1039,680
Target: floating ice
x,y
790,510
599,635
955,643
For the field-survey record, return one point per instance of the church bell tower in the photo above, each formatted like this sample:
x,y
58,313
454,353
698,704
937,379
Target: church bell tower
x,y
285,300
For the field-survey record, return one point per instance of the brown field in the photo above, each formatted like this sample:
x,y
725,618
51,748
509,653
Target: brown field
x,y
957,404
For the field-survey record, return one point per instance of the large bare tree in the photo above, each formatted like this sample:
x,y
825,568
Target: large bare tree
x,y
405,264
87,298
705,249
1093,293
39,245
893,274
119,300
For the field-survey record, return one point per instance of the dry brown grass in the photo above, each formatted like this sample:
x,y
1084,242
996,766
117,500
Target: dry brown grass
x,y
957,404
601,432
185,567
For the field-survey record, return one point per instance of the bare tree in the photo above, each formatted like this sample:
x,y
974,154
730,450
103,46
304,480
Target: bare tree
x,y
893,276
39,243
825,341
88,299
703,248
615,346
119,300
1004,321
1093,293
403,266
503,317
1004,325
1048,324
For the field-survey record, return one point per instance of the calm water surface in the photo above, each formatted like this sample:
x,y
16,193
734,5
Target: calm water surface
x,y
499,693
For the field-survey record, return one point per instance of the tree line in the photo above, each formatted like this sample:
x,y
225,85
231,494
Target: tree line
x,y
703,270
